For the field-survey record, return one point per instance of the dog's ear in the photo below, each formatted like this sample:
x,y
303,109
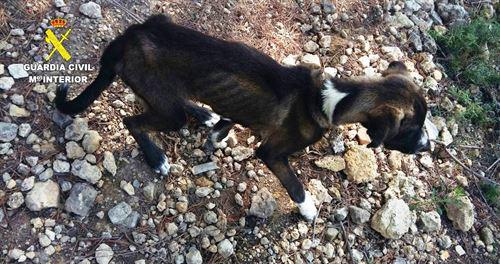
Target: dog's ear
x,y
383,123
395,67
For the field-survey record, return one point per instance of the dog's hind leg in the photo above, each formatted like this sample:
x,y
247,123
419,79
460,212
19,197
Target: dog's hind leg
x,y
219,135
202,114
139,126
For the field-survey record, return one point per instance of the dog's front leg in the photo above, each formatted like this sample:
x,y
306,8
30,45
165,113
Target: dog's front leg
x,y
278,164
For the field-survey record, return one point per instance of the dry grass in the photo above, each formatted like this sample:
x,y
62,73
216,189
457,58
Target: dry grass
x,y
268,25
21,13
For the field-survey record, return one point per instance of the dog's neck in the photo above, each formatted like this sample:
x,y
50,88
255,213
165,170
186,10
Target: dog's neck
x,y
344,101
330,96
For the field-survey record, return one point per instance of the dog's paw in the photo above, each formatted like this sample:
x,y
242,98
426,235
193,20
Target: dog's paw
x,y
307,208
216,143
163,167
212,120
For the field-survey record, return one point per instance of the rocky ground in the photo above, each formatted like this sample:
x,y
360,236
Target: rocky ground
x,y
78,191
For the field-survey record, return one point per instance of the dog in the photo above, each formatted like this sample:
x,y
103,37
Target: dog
x,y
169,67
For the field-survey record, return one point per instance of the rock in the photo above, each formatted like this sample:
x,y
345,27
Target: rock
x,y
263,204
91,141
460,211
15,254
319,192
172,229
60,119
426,161
6,83
91,10
86,171
328,6
392,220
395,160
429,44
311,61
16,111
431,221
486,235
131,220
330,72
225,248
331,233
127,187
290,60
59,3
74,151
361,164
43,195
446,136
103,254
340,214
331,162
149,191
412,6
363,137
109,162
28,184
60,166
241,153
325,42
203,191
210,217
201,168
17,71
119,212
399,20
17,32
394,53
460,250
357,256
452,14
194,256
81,199
17,99
76,130
364,61
24,130
359,215
15,200
311,46
8,131
415,40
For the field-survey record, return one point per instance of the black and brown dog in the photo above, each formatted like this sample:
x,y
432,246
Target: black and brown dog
x,y
169,66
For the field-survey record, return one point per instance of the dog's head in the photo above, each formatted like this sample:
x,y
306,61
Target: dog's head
x,y
398,120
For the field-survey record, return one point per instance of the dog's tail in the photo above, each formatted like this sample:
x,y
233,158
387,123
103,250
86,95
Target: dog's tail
x,y
111,56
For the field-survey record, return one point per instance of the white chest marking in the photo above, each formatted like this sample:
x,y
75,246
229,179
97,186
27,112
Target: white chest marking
x,y
331,97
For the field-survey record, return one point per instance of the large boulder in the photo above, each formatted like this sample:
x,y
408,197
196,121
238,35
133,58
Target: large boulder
x,y
392,220
461,212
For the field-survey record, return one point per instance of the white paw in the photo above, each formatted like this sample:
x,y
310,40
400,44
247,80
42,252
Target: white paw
x,y
307,208
218,144
164,167
214,118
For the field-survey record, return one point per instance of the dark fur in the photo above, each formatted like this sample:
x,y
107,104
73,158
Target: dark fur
x,y
168,65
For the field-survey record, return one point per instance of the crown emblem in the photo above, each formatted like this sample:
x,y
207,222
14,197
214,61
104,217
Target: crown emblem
x,y
58,22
